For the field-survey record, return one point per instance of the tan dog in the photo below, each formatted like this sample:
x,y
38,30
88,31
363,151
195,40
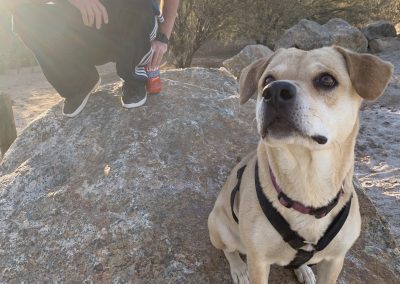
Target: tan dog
x,y
308,119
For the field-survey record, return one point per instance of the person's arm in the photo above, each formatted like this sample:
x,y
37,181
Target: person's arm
x,y
169,8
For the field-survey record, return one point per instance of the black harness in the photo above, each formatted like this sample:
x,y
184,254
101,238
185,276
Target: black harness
x,y
283,228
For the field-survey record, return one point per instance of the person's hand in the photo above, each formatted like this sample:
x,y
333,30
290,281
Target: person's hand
x,y
159,48
93,12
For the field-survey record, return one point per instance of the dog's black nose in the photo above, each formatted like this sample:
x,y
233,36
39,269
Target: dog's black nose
x,y
279,93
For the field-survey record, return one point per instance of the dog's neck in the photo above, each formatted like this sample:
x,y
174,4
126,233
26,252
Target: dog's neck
x,y
312,178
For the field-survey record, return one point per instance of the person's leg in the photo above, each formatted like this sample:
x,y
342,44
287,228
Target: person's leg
x,y
135,29
66,50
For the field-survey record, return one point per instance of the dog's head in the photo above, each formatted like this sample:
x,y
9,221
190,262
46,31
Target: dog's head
x,y
312,98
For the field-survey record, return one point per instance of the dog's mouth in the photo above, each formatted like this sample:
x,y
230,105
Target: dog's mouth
x,y
279,128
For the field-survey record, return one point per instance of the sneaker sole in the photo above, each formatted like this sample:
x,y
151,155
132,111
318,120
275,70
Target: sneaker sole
x,y
133,105
84,102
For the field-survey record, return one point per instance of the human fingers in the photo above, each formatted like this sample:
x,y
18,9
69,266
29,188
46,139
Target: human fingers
x,y
85,16
155,59
98,15
159,49
103,11
90,12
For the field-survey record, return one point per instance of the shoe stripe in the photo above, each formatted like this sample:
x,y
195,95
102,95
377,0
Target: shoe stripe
x,y
146,58
133,105
84,102
154,31
139,69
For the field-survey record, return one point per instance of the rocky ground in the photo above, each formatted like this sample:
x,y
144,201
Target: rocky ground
x,y
122,196
378,149
377,167
32,94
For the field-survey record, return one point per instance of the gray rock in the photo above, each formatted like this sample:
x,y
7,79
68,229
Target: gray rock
x,y
117,196
391,99
345,35
384,44
379,29
197,77
305,35
309,35
245,57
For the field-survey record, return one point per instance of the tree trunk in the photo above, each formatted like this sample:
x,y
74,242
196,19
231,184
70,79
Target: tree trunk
x,y
8,132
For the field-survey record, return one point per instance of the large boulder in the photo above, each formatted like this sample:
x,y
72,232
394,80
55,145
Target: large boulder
x,y
391,99
309,35
345,35
305,35
379,29
245,57
384,44
118,196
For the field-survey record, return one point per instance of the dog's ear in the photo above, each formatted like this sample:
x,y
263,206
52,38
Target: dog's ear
x,y
369,74
249,78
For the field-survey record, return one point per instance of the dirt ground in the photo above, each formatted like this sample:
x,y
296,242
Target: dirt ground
x,y
32,94
378,146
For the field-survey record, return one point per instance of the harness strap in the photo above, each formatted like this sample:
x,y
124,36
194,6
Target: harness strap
x,y
292,237
283,227
235,191
334,227
302,256
276,219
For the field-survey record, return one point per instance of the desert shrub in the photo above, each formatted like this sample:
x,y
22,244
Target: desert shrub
x,y
198,21
263,20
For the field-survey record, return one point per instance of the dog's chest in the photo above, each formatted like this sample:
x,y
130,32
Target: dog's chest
x,y
310,228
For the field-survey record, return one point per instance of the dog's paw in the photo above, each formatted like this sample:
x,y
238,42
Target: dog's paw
x,y
240,274
305,275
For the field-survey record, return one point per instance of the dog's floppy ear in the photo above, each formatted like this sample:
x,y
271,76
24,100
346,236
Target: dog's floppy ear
x,y
249,78
369,74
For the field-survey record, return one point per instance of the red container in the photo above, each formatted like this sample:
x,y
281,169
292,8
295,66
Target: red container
x,y
154,81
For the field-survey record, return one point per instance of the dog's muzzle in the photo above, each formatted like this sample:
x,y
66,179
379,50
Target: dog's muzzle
x,y
279,94
279,100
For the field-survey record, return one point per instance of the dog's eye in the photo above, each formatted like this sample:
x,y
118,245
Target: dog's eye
x,y
325,81
269,79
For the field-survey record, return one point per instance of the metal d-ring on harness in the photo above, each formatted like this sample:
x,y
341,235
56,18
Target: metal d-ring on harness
x,y
283,227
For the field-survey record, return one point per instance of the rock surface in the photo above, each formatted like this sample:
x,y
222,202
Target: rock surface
x,y
305,35
123,196
384,44
345,35
378,148
309,35
379,29
245,57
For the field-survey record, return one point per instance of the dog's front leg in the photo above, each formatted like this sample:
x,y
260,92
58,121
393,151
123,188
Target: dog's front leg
x,y
328,270
258,270
239,272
